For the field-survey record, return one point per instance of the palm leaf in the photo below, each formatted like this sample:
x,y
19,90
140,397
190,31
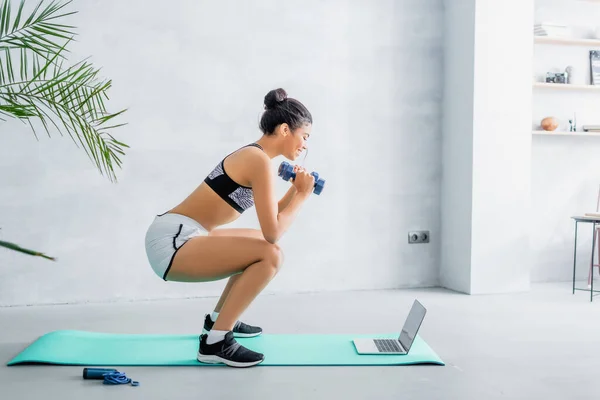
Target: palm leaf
x,y
36,32
36,87
20,249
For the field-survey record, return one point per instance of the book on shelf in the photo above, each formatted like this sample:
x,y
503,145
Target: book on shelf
x,y
591,128
553,30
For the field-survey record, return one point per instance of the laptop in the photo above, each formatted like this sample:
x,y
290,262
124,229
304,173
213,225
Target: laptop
x,y
403,343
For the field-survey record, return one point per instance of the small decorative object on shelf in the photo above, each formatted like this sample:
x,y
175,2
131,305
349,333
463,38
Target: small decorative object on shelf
x,y
556,77
549,124
573,123
594,67
569,72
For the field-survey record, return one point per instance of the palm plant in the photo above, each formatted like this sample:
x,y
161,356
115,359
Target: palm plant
x,y
36,86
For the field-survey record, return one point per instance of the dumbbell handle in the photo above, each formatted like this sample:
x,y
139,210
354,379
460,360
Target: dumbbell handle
x,y
293,176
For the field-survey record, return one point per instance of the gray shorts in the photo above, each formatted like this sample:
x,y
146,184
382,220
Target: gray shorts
x,y
165,236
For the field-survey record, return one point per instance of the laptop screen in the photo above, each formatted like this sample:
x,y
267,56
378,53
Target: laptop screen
x,y
412,324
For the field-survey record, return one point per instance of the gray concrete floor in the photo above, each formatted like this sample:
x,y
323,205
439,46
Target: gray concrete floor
x,y
543,344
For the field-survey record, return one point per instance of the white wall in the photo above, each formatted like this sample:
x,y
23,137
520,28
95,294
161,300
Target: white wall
x,y
487,136
457,149
502,146
565,170
193,75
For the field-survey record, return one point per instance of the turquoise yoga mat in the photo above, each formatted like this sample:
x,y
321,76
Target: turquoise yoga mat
x,y
107,349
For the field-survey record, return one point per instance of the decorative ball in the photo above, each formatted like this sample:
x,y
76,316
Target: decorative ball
x,y
549,124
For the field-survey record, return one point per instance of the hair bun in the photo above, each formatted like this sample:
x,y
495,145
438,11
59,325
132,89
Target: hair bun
x,y
274,97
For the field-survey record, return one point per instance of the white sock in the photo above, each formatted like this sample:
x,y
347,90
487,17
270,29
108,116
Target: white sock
x,y
215,336
214,315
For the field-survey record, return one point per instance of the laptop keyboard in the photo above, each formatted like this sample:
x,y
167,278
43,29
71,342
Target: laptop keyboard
x,y
387,345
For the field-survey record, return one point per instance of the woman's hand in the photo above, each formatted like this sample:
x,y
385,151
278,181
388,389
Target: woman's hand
x,y
304,181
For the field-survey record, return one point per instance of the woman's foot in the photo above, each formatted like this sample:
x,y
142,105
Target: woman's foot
x,y
227,351
240,329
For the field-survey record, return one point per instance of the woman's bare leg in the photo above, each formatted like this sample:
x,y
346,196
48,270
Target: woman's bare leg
x,y
225,293
253,261
250,283
237,232
213,257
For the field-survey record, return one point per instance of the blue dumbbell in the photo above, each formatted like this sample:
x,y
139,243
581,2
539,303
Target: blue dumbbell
x,y
286,171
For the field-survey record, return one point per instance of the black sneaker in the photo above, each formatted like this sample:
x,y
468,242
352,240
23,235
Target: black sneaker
x,y
240,329
227,351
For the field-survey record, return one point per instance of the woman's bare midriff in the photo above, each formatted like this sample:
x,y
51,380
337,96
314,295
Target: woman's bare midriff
x,y
207,208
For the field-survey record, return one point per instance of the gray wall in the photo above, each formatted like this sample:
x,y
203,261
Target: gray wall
x,y
193,75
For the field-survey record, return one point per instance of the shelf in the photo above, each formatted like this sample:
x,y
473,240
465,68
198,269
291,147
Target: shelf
x,y
567,41
565,133
564,86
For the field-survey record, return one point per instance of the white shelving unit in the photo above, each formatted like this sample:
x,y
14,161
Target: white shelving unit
x,y
565,133
564,86
567,41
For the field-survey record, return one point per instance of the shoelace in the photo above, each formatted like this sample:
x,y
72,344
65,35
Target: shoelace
x,y
231,349
118,378
242,327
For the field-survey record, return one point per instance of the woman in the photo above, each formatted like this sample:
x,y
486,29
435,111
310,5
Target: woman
x,y
185,244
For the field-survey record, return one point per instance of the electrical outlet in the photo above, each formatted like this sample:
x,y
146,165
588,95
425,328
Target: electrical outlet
x,y
418,237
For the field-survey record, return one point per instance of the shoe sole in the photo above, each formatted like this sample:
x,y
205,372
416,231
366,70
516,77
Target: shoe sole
x,y
237,334
212,359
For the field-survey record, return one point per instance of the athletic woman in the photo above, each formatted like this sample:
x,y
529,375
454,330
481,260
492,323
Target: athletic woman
x,y
186,244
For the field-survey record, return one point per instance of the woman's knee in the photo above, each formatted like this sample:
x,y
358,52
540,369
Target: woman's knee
x,y
274,256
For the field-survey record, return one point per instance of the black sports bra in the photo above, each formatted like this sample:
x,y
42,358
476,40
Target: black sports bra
x,y
237,196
